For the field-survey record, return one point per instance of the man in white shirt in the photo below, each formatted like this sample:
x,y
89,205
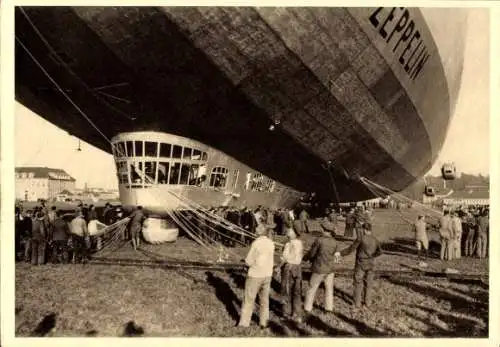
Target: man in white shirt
x,y
445,231
456,224
421,238
260,259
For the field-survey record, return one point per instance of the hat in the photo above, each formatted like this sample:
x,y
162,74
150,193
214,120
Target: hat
x,y
367,226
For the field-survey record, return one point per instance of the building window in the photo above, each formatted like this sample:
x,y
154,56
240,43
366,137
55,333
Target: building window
x,y
177,152
150,172
151,149
196,155
136,172
187,153
130,148
165,150
236,175
139,149
248,180
163,172
175,171
185,168
218,177
122,172
120,149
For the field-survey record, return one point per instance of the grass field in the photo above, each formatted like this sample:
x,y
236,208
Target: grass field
x,y
97,300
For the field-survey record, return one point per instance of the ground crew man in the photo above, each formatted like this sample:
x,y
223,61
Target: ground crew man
x,y
322,257
421,238
456,224
136,219
445,232
367,248
260,259
482,234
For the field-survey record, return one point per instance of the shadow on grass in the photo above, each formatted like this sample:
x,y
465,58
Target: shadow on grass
x,y
362,328
131,329
457,326
406,246
458,303
45,326
348,298
225,294
318,324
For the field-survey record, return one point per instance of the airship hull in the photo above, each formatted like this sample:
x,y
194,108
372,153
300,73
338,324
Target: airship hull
x,y
359,92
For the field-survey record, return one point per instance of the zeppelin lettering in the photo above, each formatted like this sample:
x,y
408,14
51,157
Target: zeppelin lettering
x,y
399,31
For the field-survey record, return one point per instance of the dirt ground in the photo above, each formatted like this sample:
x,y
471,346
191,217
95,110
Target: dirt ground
x,y
111,300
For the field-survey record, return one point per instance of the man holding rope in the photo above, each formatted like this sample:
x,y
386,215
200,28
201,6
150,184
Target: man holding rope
x,y
260,259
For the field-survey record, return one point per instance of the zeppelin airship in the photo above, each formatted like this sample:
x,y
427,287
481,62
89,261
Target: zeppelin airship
x,y
246,106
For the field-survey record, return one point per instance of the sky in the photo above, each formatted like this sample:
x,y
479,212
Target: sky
x,y
467,144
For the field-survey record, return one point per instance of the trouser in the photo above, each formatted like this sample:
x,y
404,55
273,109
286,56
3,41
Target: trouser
x,y
314,283
482,245
38,252
252,286
27,250
363,282
60,251
422,245
445,249
469,243
83,248
291,289
458,246
349,228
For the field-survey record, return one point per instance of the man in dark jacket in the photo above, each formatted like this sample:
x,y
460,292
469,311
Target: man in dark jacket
x,y
136,219
322,257
367,249
60,236
39,239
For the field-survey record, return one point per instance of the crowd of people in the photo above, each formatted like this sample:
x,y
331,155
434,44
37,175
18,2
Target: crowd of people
x,y
323,255
462,232
49,235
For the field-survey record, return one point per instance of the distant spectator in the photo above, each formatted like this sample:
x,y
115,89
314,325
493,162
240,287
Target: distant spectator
x,y
39,239
421,238
470,242
60,238
445,232
456,224
482,235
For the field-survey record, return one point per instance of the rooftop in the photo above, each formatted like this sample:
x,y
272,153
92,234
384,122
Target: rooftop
x,y
45,172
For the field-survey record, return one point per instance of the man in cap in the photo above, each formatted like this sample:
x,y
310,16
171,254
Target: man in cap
x,y
445,232
260,259
136,219
322,257
39,238
483,228
291,275
78,227
367,248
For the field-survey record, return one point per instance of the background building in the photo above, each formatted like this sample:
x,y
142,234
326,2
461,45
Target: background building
x,y
33,183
